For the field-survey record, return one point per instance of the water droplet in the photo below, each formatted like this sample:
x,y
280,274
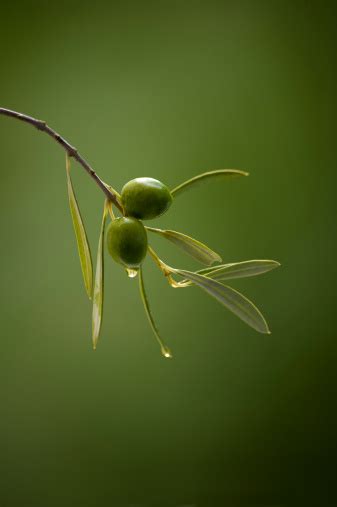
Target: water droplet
x,y
132,272
166,352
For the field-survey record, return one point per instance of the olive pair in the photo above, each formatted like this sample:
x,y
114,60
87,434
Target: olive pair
x,y
142,199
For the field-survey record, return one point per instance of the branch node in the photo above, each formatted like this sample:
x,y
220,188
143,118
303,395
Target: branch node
x,y
72,152
41,125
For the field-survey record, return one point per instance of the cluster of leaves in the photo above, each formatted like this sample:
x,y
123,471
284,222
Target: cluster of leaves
x,y
211,279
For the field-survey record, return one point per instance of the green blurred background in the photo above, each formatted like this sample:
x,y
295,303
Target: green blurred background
x,y
169,90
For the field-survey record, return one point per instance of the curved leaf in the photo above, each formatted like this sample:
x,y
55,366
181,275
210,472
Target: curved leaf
x,y
203,178
235,270
163,348
192,247
230,298
98,299
81,236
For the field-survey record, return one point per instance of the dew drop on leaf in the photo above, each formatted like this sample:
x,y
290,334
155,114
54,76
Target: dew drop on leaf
x,y
132,272
166,352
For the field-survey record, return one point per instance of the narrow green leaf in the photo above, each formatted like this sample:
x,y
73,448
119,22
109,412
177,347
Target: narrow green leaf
x,y
163,348
98,299
192,247
203,178
230,298
239,269
81,236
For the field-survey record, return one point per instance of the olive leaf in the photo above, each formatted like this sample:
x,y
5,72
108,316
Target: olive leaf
x,y
81,236
191,246
203,178
230,298
98,299
163,348
235,270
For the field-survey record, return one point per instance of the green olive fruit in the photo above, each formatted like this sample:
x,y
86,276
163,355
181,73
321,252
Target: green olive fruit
x,y
127,241
145,198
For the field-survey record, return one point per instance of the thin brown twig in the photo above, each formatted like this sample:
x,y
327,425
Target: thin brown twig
x,y
71,150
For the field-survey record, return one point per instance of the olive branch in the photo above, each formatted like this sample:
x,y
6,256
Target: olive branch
x,y
127,242
71,150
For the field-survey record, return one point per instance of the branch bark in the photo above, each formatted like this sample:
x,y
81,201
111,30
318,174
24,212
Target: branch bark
x,y
71,150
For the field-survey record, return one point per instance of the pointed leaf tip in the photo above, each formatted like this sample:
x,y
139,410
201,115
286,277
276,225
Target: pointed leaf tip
x,y
235,270
204,177
166,352
231,299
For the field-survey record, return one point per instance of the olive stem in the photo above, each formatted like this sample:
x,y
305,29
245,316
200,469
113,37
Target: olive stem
x,y
71,150
162,266
111,212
